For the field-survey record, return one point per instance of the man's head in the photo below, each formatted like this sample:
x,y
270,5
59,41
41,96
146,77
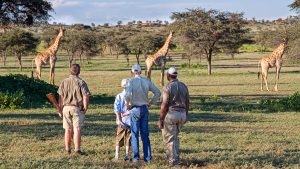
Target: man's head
x,y
75,69
136,69
172,73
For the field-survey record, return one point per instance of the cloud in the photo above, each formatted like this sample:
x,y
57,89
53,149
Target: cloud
x,y
64,3
111,4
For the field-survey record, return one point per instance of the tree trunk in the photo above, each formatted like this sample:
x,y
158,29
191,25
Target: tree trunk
x,y
3,55
110,51
145,54
19,56
137,56
232,56
189,58
127,59
209,55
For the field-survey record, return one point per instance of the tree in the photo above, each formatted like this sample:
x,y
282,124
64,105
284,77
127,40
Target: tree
x,y
119,23
48,35
210,30
25,12
295,5
20,43
4,43
82,43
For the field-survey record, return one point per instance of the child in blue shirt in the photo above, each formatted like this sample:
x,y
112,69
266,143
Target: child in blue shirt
x,y
123,122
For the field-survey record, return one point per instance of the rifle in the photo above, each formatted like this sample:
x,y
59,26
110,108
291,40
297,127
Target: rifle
x,y
53,100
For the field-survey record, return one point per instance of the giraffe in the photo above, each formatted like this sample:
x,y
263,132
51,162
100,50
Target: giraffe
x,y
159,59
48,57
272,60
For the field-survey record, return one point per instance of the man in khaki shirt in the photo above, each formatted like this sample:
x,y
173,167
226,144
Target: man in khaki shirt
x,y
173,112
74,98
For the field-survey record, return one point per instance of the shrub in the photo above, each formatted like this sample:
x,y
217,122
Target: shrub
x,y
33,90
12,100
290,103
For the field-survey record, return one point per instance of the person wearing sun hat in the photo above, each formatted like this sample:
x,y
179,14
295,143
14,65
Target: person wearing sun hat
x,y
138,102
173,113
123,122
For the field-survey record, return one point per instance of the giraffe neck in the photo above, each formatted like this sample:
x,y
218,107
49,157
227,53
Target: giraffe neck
x,y
164,49
54,47
278,52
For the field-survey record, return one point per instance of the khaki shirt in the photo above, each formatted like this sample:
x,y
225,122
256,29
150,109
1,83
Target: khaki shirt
x,y
175,95
73,89
137,92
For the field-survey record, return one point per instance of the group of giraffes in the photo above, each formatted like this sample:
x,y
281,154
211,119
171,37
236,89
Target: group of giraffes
x,y
159,59
49,57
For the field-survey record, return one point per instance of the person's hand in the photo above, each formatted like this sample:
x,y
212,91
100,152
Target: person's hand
x,y
120,123
160,124
84,110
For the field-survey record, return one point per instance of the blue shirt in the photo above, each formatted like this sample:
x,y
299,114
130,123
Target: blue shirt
x,y
120,107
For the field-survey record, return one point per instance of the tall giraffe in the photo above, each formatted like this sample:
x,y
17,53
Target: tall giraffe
x,y
269,61
159,59
48,57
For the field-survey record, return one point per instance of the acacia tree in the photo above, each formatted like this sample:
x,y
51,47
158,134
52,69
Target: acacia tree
x,y
295,5
24,12
20,43
210,30
82,43
4,43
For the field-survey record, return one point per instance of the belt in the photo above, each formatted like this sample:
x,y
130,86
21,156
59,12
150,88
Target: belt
x,y
72,105
134,106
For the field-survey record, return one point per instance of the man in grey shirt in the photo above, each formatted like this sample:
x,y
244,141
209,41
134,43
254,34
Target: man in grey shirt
x,y
136,97
173,112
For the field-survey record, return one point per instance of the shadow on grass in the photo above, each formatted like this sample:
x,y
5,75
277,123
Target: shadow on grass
x,y
102,99
211,117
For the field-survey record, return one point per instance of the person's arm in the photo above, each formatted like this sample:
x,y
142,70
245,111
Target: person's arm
x,y
187,101
60,100
128,94
85,103
163,108
156,93
61,105
163,113
118,109
86,96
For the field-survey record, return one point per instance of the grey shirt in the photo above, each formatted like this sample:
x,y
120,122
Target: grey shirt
x,y
175,95
73,89
137,92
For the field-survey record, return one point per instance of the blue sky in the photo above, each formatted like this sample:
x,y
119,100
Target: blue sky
x,y
112,11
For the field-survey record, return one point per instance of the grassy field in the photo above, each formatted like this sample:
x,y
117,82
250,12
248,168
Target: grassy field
x,y
222,131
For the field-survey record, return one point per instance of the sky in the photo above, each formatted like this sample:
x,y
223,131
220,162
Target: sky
x,y
112,11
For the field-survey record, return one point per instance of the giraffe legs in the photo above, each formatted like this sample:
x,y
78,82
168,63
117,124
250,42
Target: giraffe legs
x,y
277,78
51,77
149,73
162,74
264,74
38,71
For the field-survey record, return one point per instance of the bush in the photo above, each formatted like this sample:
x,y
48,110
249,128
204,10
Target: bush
x,y
290,103
28,92
12,100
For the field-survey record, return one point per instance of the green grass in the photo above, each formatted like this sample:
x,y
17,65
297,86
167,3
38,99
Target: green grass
x,y
225,129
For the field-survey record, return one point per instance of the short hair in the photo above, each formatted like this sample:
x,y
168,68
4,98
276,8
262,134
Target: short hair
x,y
75,69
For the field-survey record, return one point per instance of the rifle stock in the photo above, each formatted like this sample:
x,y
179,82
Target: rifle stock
x,y
53,100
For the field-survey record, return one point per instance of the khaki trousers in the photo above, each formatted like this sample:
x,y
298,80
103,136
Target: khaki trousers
x,y
172,126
